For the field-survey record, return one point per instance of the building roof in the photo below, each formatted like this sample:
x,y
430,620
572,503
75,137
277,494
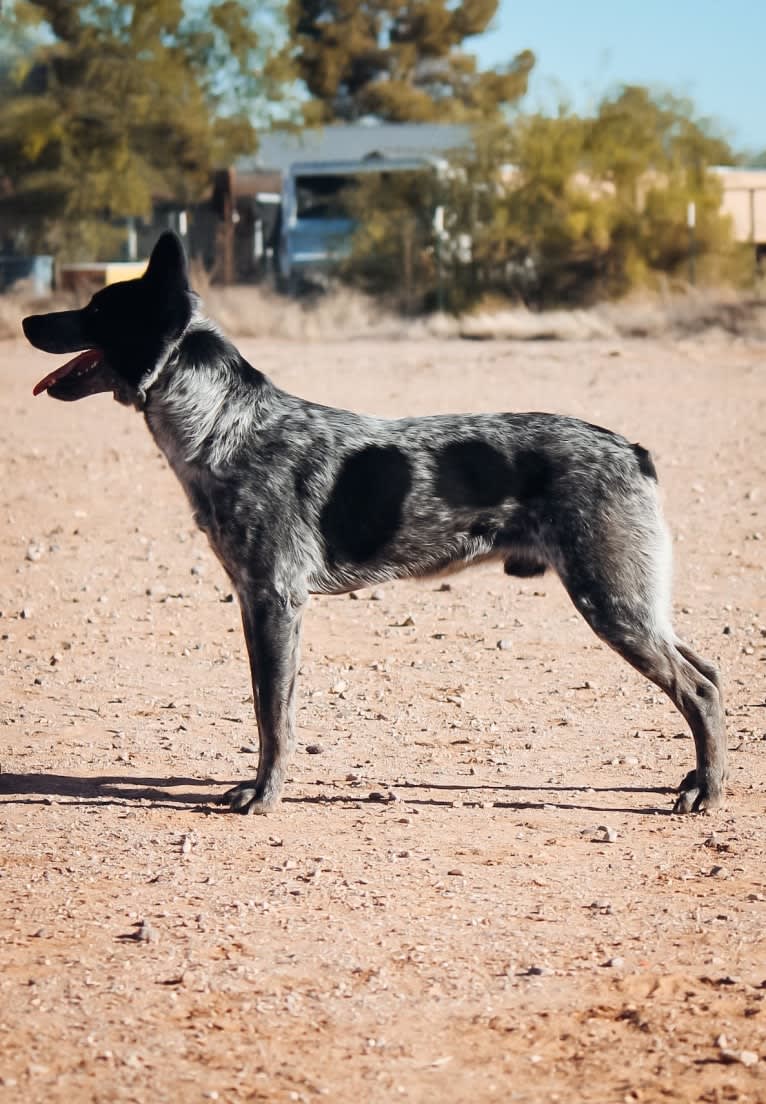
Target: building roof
x,y
279,149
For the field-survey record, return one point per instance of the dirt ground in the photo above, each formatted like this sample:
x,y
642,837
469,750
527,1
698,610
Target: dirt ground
x,y
474,889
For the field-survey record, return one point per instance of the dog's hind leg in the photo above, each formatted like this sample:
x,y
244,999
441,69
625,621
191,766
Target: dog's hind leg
x,y
272,632
619,584
689,787
703,666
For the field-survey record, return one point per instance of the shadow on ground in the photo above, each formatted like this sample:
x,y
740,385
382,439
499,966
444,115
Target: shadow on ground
x,y
129,790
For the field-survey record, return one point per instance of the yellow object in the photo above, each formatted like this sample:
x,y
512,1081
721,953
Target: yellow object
x,y
99,273
123,270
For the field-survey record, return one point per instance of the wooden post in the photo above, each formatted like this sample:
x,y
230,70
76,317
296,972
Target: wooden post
x,y
229,273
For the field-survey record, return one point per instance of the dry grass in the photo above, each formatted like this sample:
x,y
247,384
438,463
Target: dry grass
x,y
246,311
256,312
682,315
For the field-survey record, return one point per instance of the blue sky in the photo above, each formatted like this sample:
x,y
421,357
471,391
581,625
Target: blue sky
x,y
710,50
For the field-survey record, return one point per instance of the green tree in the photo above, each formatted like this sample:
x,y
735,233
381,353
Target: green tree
x,y
399,60
107,104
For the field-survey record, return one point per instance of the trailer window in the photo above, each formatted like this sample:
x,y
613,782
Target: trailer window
x,y
322,197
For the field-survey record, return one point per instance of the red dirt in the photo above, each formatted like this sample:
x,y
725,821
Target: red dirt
x,y
473,938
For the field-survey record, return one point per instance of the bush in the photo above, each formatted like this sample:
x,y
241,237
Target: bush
x,y
549,211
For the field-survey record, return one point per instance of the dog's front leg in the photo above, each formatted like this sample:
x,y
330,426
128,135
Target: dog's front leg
x,y
272,626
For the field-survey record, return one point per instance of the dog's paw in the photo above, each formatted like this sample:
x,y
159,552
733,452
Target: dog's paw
x,y
248,798
693,799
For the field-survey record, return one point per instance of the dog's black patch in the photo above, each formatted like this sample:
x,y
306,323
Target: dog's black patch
x,y
534,474
364,510
206,347
201,347
473,473
645,462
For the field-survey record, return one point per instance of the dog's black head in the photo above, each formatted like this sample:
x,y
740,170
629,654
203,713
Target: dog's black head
x,y
123,334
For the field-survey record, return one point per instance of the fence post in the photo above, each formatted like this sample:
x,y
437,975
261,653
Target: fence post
x,y
691,222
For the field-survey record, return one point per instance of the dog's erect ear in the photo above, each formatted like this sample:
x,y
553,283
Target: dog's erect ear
x,y
167,264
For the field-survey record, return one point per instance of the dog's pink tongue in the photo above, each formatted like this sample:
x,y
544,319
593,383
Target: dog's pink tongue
x,y
83,362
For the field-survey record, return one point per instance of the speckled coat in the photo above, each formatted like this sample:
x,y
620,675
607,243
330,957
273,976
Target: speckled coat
x,y
297,498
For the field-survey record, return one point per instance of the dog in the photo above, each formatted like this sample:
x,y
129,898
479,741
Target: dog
x,y
299,499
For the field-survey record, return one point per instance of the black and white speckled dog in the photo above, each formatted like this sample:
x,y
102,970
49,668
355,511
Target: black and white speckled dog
x,y
298,498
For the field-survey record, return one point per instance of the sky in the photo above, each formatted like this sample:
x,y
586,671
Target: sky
x,y
712,51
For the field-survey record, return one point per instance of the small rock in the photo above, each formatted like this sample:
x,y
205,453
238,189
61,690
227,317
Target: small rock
x,y
748,1058
504,645
444,587
382,798
25,614
605,834
314,749
339,687
745,1057
376,596
353,596
455,873
718,872
615,963
34,552
144,933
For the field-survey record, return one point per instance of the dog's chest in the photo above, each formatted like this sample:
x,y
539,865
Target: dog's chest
x,y
207,498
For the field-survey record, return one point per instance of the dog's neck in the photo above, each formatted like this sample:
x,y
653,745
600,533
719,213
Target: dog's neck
x,y
203,400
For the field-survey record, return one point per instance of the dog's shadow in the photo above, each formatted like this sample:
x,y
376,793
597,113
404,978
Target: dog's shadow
x,y
205,794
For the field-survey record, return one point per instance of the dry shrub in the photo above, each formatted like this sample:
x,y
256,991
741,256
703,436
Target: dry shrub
x,y
247,311
520,324
257,312
689,314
